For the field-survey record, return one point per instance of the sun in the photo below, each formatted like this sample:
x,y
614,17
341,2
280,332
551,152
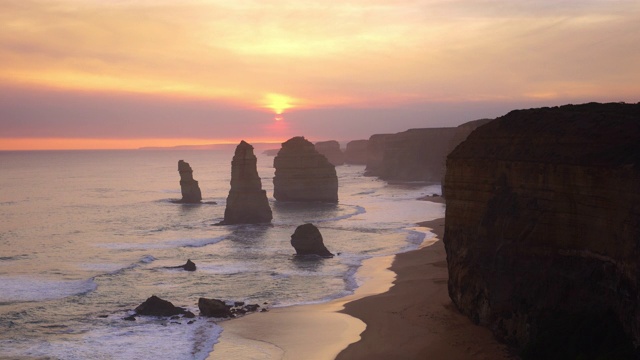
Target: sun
x,y
278,102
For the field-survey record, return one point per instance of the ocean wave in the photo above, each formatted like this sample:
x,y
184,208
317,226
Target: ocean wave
x,y
357,211
144,339
23,288
179,243
14,257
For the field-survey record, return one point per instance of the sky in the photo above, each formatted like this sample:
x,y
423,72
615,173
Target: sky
x,y
92,74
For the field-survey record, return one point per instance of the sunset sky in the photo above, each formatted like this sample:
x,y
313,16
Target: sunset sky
x,y
125,73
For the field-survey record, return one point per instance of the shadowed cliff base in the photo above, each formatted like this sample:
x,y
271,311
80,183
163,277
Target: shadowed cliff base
x,y
543,219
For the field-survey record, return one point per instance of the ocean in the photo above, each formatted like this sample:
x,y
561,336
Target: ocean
x,y
86,236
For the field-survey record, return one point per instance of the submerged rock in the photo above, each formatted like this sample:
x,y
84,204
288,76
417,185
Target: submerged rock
x,y
307,240
247,203
188,266
154,306
213,308
542,230
189,187
303,174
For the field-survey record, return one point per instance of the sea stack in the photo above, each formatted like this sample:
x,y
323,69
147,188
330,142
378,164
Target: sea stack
x,y
542,230
307,240
247,203
356,152
189,187
331,150
303,174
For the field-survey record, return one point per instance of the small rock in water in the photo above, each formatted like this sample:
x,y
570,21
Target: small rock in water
x,y
155,306
213,308
130,318
307,240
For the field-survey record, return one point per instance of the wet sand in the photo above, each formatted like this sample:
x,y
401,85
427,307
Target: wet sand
x,y
317,331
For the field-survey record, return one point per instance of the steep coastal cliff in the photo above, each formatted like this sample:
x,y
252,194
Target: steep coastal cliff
x,y
303,174
415,154
543,228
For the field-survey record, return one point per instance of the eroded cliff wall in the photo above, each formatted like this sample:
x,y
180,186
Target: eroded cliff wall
x,y
415,154
543,229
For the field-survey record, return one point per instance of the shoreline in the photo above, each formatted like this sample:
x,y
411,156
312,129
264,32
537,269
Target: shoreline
x,y
416,319
309,331
401,311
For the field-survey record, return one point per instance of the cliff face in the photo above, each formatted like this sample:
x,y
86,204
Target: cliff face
x,y
416,154
331,150
247,203
543,229
188,186
303,174
356,152
375,153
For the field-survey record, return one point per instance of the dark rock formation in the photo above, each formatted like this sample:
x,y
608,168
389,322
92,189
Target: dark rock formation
x,y
154,306
213,308
247,203
189,187
543,229
461,133
356,152
375,153
307,240
303,174
331,150
415,155
188,266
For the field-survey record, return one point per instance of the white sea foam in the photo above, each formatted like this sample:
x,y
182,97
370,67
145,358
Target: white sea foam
x,y
147,338
21,288
178,243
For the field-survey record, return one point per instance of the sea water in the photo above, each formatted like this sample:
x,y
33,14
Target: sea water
x,y
86,236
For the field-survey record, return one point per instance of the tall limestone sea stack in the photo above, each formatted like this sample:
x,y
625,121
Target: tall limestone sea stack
x,y
188,186
542,230
331,150
247,203
303,174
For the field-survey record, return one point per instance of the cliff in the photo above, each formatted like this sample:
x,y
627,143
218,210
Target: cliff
x,y
247,203
543,227
303,174
188,186
412,155
375,154
331,150
356,152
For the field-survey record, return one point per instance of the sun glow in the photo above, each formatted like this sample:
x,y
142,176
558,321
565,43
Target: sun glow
x,y
278,103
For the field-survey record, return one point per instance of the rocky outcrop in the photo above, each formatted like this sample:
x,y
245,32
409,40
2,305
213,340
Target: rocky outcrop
x,y
375,154
247,203
155,306
331,150
303,174
542,230
356,152
271,152
307,240
413,155
189,187
213,308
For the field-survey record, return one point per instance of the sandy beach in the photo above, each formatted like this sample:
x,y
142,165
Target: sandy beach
x,y
415,319
402,311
